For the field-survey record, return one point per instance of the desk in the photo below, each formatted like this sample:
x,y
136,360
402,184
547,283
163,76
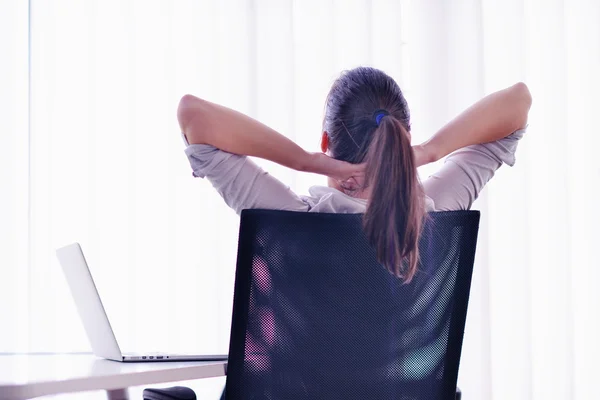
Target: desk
x,y
28,376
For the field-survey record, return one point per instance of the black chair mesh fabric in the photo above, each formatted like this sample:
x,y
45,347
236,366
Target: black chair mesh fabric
x,y
316,317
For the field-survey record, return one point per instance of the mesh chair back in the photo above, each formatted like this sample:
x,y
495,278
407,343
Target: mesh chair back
x,y
315,316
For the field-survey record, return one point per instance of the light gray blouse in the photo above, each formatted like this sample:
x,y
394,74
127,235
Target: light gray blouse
x,y
243,184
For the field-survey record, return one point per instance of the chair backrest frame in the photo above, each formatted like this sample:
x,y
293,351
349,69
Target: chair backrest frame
x,y
250,219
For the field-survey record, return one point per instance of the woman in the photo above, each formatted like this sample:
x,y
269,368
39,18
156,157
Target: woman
x,y
367,156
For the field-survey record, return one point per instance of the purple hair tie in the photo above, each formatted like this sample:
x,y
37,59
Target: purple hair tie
x,y
380,114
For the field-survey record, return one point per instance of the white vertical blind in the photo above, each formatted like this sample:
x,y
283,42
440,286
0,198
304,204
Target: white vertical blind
x,y
504,62
14,173
542,220
90,152
581,103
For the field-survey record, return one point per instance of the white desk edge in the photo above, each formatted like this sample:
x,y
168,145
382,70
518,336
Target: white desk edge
x,y
207,369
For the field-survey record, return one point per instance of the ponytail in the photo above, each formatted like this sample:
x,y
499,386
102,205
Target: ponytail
x,y
395,212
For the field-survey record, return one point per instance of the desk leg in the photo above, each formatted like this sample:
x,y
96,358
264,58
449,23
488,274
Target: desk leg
x,y
117,394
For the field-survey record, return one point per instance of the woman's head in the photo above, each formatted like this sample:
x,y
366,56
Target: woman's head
x,y
367,121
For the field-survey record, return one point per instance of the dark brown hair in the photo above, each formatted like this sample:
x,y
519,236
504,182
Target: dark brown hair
x,y
367,120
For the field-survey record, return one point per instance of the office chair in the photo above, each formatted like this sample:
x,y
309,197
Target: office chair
x,y
315,316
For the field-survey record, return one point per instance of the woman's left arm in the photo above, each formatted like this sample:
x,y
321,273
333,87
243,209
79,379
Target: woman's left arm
x,y
492,118
204,122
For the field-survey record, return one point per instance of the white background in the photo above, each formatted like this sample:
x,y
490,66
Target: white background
x,y
90,152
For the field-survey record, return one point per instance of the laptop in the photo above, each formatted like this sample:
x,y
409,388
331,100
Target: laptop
x,y
94,318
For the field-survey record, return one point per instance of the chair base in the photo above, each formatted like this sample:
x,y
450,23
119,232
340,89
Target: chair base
x,y
172,393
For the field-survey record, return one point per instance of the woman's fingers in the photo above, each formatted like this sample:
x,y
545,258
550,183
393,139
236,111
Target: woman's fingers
x,y
349,176
351,171
353,176
354,183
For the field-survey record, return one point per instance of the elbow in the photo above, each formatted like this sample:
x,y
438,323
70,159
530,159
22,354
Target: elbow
x,y
190,115
521,97
187,100
185,110
523,94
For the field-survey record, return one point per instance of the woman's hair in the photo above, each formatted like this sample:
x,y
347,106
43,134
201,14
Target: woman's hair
x,y
367,120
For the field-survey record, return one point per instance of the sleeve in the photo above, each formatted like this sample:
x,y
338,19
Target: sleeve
x,y
240,181
466,171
